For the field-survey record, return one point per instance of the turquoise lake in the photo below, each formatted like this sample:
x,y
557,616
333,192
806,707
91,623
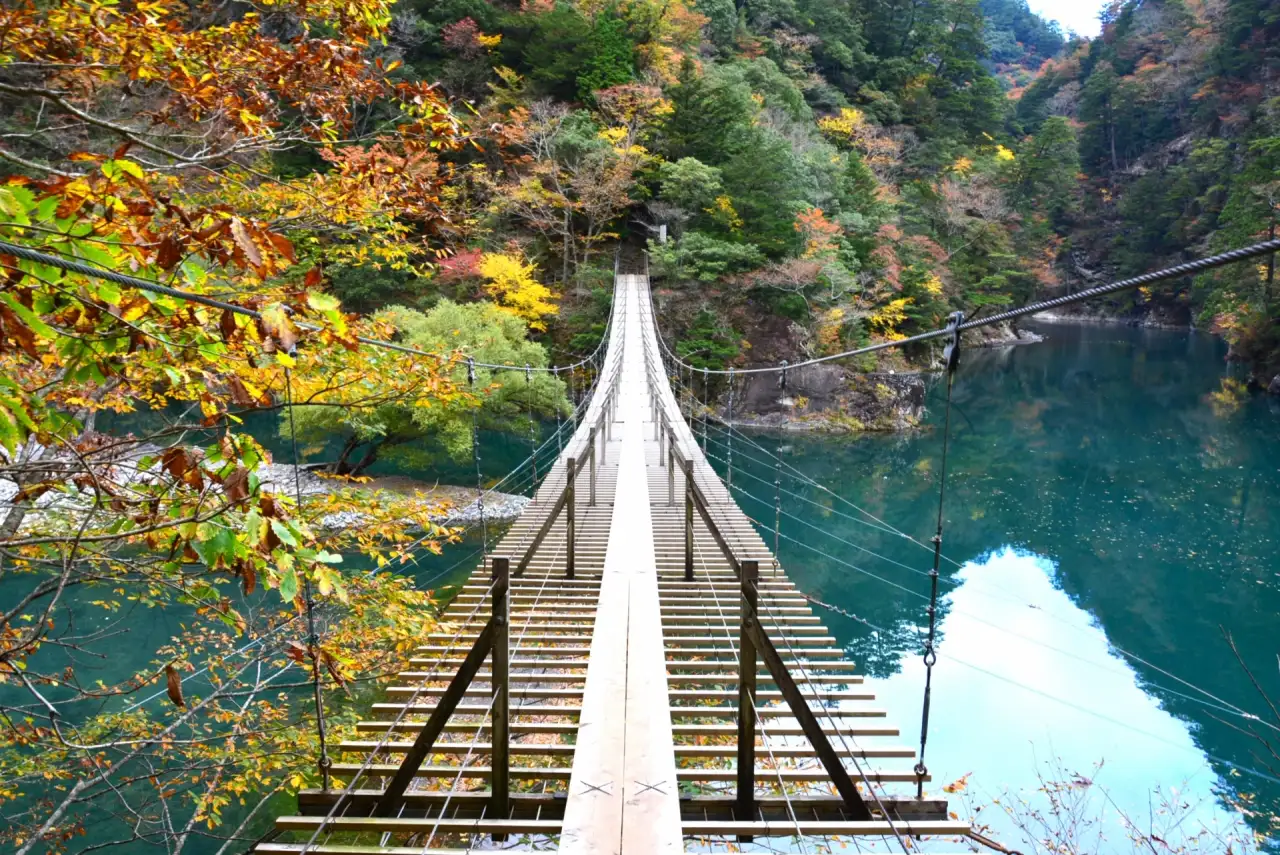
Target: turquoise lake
x,y
1104,494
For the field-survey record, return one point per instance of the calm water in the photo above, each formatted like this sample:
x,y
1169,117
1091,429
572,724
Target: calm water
x,y
1104,494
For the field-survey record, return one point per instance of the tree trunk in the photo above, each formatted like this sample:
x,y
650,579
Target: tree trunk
x,y
342,466
368,460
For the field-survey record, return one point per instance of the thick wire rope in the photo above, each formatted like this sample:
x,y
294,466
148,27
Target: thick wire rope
x,y
71,266
1215,702
1176,272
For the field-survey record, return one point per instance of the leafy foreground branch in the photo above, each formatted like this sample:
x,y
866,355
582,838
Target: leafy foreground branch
x,y
156,652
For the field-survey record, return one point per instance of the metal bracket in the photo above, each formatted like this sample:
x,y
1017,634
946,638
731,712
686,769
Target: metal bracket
x,y
951,354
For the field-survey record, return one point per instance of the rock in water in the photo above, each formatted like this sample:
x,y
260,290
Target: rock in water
x,y
1274,388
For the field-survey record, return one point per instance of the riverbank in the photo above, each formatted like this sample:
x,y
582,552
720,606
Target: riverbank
x,y
459,505
1150,320
449,505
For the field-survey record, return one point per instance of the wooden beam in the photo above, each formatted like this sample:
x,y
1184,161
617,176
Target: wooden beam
x,y
391,799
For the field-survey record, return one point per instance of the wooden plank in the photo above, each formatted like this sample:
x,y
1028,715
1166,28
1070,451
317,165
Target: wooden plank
x,y
772,776
518,773
593,810
408,825
651,821
877,828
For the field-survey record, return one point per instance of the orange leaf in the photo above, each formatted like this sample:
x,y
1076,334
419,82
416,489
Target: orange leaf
x,y
243,240
174,686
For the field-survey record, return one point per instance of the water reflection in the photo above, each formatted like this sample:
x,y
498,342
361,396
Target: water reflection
x,y
1130,461
1027,681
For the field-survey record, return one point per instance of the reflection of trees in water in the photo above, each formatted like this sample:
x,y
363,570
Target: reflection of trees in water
x,y
1119,454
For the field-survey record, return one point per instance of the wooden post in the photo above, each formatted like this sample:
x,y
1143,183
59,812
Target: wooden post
x,y
569,518
855,806
745,807
590,466
500,783
688,519
662,445
604,436
671,473
393,797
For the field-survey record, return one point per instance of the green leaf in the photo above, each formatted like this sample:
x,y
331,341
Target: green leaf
x,y
322,302
253,527
217,550
289,585
284,532
14,204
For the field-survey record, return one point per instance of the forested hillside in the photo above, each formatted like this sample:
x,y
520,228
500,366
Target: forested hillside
x,y
834,173
1179,140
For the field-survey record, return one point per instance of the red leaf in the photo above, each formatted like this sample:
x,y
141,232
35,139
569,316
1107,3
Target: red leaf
x,y
282,245
227,325
176,461
170,253
174,686
239,394
237,485
245,242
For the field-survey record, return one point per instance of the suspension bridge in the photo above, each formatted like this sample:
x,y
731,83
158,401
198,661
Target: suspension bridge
x,y
628,670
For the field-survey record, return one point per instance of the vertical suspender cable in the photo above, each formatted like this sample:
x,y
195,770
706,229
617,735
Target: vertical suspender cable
x,y
951,356
313,639
475,454
706,406
555,372
777,511
777,483
533,439
573,395
729,452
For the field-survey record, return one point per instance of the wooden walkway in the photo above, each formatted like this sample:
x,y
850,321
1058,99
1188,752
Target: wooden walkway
x,y
656,686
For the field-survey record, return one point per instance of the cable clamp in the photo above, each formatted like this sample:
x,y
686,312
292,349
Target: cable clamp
x,y
951,355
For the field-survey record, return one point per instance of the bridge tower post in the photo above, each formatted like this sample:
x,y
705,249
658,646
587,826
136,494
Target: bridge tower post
x,y
500,731
688,519
571,500
745,807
